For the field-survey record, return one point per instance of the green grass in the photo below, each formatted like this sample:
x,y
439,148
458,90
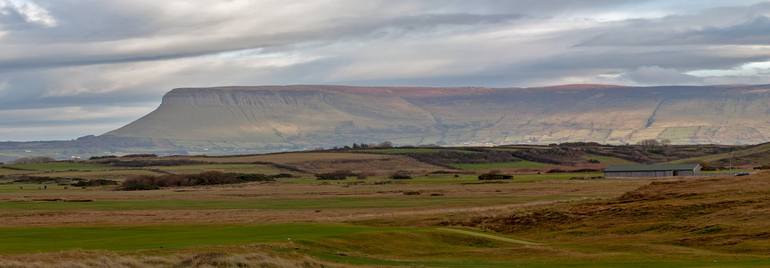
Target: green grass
x,y
608,160
43,239
361,245
60,166
501,165
29,187
8,171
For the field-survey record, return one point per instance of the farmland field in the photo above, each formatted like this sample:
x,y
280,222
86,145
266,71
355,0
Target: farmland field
x,y
440,217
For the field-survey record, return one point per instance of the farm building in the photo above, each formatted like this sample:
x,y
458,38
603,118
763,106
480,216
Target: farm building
x,y
651,170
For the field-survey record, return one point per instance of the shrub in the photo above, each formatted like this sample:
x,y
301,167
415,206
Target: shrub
x,y
401,175
139,155
142,182
148,182
97,157
594,161
97,182
494,176
335,175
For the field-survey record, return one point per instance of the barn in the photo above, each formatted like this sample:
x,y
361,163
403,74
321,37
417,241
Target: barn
x,y
652,170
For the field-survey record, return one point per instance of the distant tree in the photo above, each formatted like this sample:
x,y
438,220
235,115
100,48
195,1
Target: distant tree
x,y
355,146
649,143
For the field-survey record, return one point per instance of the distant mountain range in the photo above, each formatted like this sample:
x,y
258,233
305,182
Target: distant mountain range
x,y
274,118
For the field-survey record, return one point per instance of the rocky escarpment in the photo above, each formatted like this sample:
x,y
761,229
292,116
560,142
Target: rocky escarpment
x,y
308,116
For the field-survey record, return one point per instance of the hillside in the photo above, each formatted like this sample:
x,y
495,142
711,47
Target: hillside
x,y
271,118
755,155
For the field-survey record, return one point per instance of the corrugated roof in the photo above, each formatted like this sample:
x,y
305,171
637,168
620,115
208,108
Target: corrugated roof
x,y
627,168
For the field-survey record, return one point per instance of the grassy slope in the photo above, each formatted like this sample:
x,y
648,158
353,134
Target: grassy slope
x,y
761,150
351,244
608,160
523,164
720,218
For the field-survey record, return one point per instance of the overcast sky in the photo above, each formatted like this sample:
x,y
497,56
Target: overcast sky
x,y
70,68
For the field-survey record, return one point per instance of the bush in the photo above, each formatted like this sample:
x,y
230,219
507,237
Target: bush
x,y
494,176
335,175
283,175
594,161
97,157
139,155
97,182
401,175
148,182
143,182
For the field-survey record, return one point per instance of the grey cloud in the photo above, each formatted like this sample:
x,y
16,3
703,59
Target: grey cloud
x,y
340,28
718,26
107,54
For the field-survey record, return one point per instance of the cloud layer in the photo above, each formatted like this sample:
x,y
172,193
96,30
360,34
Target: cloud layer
x,y
74,67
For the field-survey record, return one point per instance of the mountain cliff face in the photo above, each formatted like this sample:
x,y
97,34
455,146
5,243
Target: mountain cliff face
x,y
308,116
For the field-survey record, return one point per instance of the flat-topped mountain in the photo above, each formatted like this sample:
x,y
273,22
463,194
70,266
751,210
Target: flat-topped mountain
x,y
307,116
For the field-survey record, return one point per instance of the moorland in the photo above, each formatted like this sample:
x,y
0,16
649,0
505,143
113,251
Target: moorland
x,y
368,206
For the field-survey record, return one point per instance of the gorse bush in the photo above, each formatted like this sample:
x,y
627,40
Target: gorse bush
x,y
335,175
401,175
148,182
494,175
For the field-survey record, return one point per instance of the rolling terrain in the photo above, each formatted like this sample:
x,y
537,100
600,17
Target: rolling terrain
x,y
556,210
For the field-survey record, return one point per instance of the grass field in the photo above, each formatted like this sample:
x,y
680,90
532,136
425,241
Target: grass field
x,y
436,219
523,164
348,244
236,168
608,160
41,239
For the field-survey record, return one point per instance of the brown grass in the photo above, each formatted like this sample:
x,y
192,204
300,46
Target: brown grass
x,y
506,194
237,257
726,214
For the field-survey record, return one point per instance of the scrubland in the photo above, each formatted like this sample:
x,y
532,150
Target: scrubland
x,y
443,217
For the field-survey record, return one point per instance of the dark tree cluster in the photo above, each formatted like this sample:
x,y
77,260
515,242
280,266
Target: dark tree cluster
x,y
148,182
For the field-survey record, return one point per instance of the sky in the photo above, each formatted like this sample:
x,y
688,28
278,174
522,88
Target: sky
x,y
70,68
